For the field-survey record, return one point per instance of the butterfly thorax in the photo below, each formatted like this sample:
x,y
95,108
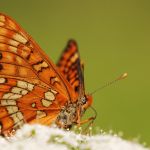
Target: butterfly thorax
x,y
72,112
67,116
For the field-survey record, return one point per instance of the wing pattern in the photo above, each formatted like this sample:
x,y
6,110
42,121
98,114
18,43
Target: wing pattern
x,y
70,65
31,88
22,101
20,56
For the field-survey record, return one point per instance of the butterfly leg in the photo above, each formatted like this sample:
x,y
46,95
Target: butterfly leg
x,y
86,121
87,129
79,122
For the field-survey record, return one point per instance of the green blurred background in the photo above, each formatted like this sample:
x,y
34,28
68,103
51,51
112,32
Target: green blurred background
x,y
113,37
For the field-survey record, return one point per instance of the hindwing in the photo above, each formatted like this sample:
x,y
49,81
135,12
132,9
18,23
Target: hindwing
x,y
72,68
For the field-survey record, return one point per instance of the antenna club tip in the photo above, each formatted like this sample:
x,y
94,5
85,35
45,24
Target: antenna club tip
x,y
123,76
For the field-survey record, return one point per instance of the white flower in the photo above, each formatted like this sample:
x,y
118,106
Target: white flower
x,y
38,137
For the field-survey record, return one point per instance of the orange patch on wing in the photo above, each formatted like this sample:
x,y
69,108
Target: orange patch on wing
x,y
1,95
32,97
11,82
34,58
4,88
12,58
8,69
11,24
24,72
51,116
28,114
7,123
3,112
72,74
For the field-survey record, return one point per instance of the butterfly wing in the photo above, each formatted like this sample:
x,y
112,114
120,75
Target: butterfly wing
x,y
70,65
23,100
23,62
21,57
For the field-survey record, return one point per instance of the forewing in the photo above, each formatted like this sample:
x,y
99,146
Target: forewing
x,y
23,101
70,65
21,57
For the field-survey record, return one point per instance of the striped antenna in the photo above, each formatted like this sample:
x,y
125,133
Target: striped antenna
x,y
123,76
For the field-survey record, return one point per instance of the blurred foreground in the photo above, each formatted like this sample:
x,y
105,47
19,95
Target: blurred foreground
x,y
36,137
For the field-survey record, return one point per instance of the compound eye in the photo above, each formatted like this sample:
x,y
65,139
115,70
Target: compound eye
x,y
83,100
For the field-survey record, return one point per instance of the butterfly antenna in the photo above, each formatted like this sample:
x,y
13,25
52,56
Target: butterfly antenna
x,y
123,76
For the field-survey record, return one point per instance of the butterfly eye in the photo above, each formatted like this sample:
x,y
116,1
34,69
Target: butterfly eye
x,y
83,100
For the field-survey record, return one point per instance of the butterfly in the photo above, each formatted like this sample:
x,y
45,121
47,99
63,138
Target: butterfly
x,y
32,88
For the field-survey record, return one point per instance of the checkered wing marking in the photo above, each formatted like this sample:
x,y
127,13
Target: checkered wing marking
x,y
22,101
70,65
20,56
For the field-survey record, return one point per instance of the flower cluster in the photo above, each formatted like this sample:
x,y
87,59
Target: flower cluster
x,y
37,137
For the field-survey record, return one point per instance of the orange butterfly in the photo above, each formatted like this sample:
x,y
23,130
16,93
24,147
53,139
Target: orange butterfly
x,y
32,88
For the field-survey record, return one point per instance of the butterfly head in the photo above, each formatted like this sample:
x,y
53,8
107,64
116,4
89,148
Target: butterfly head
x,y
86,101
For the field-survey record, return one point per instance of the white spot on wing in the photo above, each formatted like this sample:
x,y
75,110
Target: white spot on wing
x,y
12,109
2,18
19,115
39,66
18,119
13,42
25,85
4,102
30,86
2,80
74,58
49,96
18,124
3,32
11,96
46,103
55,92
8,102
13,49
19,38
44,64
19,91
33,105
54,79
40,114
22,84
24,92
2,24
15,118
